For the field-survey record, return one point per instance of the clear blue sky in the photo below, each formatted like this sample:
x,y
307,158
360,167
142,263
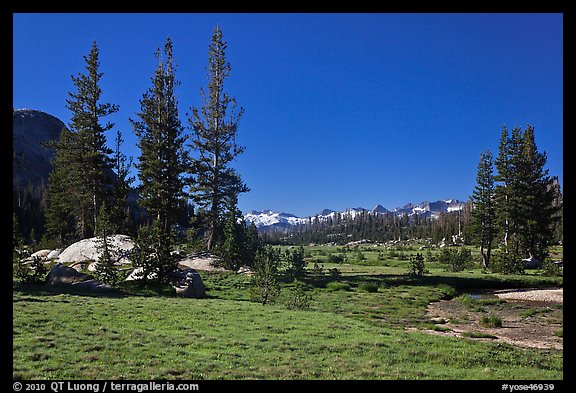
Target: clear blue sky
x,y
341,110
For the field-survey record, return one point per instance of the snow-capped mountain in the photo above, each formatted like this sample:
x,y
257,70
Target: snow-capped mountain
x,y
430,208
268,220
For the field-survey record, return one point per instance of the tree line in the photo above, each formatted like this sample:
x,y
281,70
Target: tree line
x,y
376,227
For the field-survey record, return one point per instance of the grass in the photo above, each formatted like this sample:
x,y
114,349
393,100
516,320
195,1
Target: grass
x,y
352,332
491,321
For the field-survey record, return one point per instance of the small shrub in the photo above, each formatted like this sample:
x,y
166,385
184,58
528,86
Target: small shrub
x,y
448,292
317,270
335,274
298,298
551,269
455,260
559,333
35,273
491,321
333,258
416,267
338,286
507,262
264,286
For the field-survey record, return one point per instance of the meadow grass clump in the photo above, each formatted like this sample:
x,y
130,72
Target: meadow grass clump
x,y
491,321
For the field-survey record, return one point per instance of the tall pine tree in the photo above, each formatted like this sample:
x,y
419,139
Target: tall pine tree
x,y
215,127
60,220
91,174
162,157
538,207
483,211
119,209
161,164
525,199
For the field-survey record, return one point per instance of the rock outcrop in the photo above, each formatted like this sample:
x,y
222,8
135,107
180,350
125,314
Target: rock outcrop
x,y
87,249
67,276
188,283
30,158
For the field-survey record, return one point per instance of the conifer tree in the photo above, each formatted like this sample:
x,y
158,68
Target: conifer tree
x,y
161,163
483,211
234,246
60,220
538,207
162,157
89,144
525,200
215,127
122,186
106,270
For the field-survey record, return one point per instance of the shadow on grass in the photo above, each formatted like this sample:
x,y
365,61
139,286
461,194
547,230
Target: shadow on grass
x,y
459,283
125,289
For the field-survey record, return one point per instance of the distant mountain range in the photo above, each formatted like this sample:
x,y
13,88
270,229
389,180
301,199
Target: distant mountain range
x,y
268,220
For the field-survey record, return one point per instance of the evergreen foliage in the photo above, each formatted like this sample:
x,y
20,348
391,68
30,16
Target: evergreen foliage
x,y
214,128
119,208
456,260
483,215
416,267
106,270
265,286
298,298
90,152
162,158
80,178
526,206
296,264
60,220
234,250
152,253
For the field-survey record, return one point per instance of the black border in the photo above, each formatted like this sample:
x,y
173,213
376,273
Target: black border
x,y
566,7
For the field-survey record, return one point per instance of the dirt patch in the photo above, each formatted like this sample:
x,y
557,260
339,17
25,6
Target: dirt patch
x,y
554,295
530,318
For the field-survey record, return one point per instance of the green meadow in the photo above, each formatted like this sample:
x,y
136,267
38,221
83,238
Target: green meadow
x,y
367,324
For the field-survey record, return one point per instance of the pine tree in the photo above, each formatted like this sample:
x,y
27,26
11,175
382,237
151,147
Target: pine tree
x,y
90,150
538,209
122,187
296,263
253,244
483,211
234,246
161,164
525,200
215,127
60,220
265,286
509,198
106,270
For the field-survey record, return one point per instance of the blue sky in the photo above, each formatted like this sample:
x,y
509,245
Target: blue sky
x,y
341,110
